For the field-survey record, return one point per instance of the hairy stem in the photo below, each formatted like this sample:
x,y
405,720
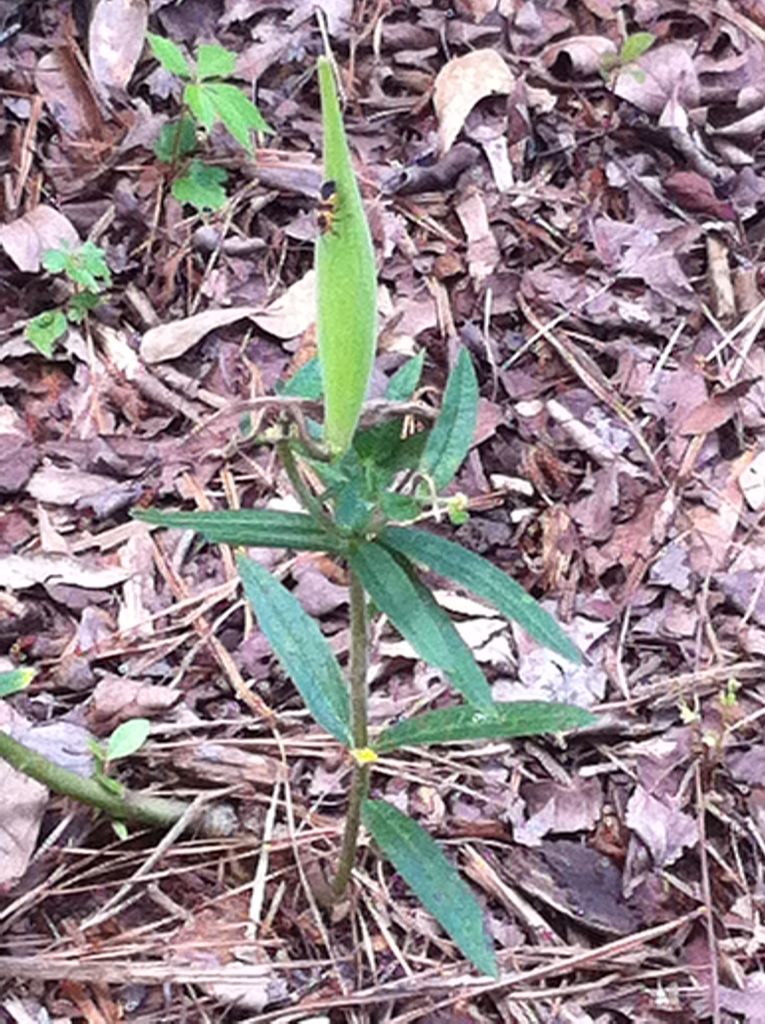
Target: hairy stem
x,y
360,780
157,812
309,501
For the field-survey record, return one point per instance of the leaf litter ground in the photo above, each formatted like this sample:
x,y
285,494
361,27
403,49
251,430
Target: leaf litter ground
x,y
592,233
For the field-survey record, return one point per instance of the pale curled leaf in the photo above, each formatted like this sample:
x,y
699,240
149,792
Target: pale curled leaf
x,y
168,341
436,883
18,572
463,724
485,580
115,41
463,82
28,238
300,647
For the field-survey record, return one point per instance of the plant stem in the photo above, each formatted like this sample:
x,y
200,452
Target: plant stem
x,y
360,780
308,500
156,812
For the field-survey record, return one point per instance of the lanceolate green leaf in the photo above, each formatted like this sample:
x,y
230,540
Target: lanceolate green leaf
x,y
250,528
485,580
419,619
423,866
459,724
300,647
346,282
451,437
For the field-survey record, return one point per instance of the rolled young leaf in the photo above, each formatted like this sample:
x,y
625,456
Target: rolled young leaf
x,y
450,439
250,528
485,580
301,648
423,866
459,724
420,619
346,280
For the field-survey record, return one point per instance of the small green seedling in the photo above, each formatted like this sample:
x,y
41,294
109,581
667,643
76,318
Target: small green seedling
x,y
15,680
88,273
126,740
633,47
208,98
362,487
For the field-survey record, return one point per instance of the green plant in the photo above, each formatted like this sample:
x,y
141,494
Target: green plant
x,y
208,98
633,47
372,483
15,680
127,739
88,273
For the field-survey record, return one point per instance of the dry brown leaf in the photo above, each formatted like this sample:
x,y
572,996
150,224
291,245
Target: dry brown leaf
x,y
752,482
461,83
115,41
712,530
28,238
555,807
661,76
715,411
66,487
116,699
483,251
664,828
19,572
577,56
67,94
168,341
293,312
22,804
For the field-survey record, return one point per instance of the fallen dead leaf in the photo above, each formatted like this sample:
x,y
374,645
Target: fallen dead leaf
x,y
28,238
483,251
292,312
115,41
750,1002
67,94
22,804
555,807
577,56
168,341
664,828
463,82
715,411
116,699
18,572
663,75
752,482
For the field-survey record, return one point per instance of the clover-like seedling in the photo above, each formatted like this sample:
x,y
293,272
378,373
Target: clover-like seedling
x,y
209,98
633,47
88,273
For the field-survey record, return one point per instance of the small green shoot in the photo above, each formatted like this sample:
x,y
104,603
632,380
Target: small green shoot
x,y
15,680
88,273
126,740
633,47
208,99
